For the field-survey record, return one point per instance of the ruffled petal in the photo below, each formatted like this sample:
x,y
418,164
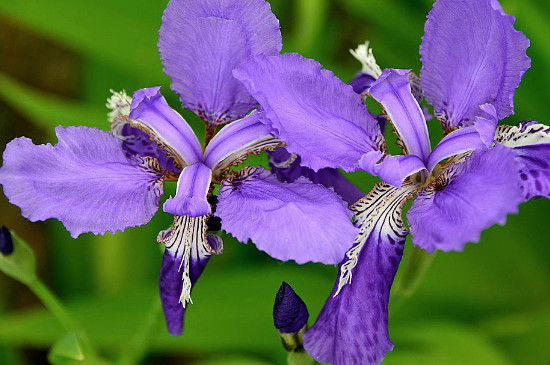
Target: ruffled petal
x,y
319,117
466,199
201,42
165,126
191,192
86,181
392,169
299,221
471,55
531,144
238,140
352,327
287,168
393,91
479,136
188,250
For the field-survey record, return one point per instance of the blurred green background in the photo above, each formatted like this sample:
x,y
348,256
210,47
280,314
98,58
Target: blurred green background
x,y
58,60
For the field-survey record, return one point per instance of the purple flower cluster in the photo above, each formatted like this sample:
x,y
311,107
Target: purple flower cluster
x,y
223,57
97,181
473,60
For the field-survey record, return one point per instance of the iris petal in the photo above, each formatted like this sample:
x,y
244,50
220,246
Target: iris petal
x,y
310,109
531,144
86,181
352,327
471,55
201,42
299,221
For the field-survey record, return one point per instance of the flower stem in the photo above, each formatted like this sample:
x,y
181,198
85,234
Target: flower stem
x,y
54,305
412,274
137,347
299,357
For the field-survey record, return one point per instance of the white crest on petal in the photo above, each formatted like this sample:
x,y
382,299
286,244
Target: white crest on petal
x,y
364,55
186,238
379,212
119,103
524,134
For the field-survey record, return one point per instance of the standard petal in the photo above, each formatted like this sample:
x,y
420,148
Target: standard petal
x,y
466,199
320,118
287,168
86,181
531,144
201,42
393,91
392,169
165,126
191,192
238,140
479,136
352,327
188,250
299,221
471,55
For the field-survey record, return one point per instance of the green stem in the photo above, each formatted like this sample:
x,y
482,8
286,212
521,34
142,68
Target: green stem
x,y
54,305
137,347
299,357
411,275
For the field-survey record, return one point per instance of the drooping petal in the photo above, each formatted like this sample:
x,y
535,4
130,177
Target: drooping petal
x,y
392,169
471,55
188,250
466,199
191,192
299,221
320,118
352,327
201,42
531,144
393,91
134,141
86,181
287,168
165,126
238,140
478,136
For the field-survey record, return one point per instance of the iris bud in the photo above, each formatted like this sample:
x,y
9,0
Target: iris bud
x,y
290,317
6,241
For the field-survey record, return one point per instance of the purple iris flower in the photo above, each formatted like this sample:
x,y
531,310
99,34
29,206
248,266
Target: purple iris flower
x,y
473,60
96,181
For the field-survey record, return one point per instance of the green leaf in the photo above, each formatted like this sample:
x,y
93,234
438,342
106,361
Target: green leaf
x,y
20,264
48,111
67,351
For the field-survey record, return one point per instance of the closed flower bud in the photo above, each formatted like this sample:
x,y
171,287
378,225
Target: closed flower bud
x,y
6,241
290,317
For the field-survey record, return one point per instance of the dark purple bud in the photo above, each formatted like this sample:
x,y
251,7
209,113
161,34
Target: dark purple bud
x,y
290,313
6,242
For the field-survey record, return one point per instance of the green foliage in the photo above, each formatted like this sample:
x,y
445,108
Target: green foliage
x,y
67,351
20,264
